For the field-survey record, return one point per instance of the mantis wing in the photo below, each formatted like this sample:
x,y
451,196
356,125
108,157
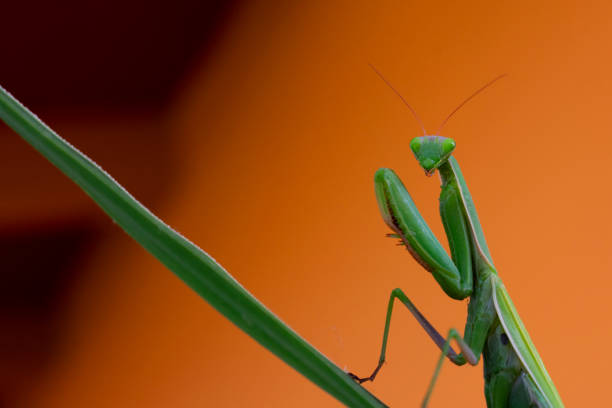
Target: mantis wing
x,y
522,344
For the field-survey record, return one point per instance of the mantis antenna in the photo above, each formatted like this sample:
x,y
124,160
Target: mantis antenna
x,y
401,97
467,99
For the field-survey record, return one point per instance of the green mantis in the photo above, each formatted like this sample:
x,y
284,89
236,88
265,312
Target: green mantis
x,y
514,373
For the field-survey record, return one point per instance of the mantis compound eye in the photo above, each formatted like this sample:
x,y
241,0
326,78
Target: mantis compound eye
x,y
448,145
415,145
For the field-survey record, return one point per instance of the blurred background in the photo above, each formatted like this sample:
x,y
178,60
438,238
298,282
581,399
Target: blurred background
x,y
255,128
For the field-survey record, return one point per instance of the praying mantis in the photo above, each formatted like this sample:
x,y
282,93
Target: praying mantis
x,y
514,373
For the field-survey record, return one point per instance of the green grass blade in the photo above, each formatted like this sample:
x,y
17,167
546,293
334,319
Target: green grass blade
x,y
196,268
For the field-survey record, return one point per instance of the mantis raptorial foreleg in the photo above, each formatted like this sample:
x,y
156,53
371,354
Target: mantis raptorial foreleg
x,y
454,275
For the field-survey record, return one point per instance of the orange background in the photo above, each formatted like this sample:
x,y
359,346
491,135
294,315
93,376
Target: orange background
x,y
271,140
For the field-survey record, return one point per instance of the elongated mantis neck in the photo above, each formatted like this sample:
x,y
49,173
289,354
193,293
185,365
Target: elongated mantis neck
x,y
452,179
446,173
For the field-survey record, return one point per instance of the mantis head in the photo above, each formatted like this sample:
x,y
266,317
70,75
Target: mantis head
x,y
432,151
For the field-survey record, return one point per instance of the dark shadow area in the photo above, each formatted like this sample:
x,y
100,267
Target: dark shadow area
x,y
40,266
112,53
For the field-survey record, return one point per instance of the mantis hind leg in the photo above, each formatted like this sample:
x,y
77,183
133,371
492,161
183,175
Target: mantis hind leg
x,y
444,344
